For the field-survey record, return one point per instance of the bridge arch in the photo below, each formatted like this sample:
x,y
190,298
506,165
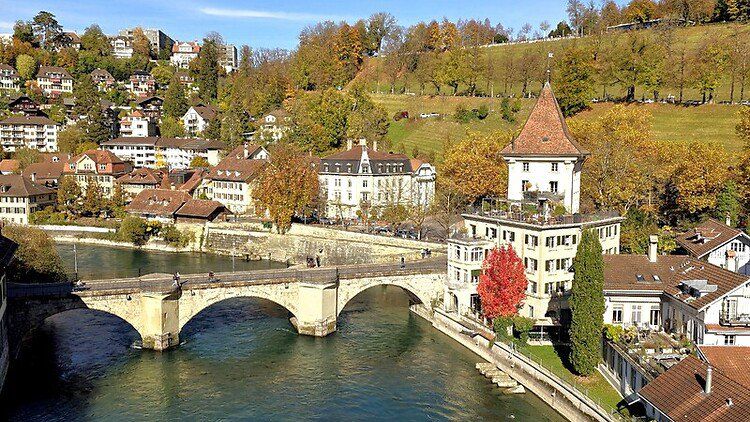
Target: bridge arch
x,y
195,301
349,289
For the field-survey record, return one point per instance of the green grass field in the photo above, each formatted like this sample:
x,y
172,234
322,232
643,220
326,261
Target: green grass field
x,y
706,123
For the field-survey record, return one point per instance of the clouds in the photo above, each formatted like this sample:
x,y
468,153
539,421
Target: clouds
x,y
4,26
264,14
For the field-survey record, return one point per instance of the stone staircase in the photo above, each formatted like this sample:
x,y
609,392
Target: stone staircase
x,y
500,378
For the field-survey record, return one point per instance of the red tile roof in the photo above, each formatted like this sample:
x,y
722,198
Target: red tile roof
x,y
706,237
545,131
195,180
199,208
162,202
8,165
141,176
28,120
679,394
730,360
18,186
206,112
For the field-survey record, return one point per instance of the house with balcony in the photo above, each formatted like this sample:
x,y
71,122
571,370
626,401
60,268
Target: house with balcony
x,y
539,219
274,125
141,84
183,53
137,125
23,104
96,166
30,131
197,118
719,244
151,107
122,47
54,81
178,153
9,78
140,151
143,178
363,176
102,79
20,196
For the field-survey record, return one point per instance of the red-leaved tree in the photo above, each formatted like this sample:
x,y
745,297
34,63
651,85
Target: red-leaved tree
x,y
502,284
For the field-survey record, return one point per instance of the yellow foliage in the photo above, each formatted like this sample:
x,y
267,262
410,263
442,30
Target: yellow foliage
x,y
474,167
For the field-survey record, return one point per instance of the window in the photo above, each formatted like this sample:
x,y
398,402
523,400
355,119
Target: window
x,y
531,311
532,287
738,246
729,339
364,183
654,318
635,314
555,166
525,166
549,265
617,315
509,236
530,264
553,187
531,241
524,185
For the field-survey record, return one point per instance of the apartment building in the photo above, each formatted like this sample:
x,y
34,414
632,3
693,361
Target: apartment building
x,y
228,59
157,38
102,79
719,244
143,178
137,125
20,196
101,167
9,78
122,47
362,175
539,219
30,131
183,53
54,81
151,107
155,152
232,181
197,118
141,84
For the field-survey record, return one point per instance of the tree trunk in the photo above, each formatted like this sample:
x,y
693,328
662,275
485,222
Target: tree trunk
x,y
631,93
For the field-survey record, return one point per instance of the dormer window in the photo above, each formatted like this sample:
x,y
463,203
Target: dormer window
x,y
365,168
325,168
349,168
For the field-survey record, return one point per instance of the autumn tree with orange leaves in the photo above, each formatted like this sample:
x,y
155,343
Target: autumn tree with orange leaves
x,y
502,284
287,185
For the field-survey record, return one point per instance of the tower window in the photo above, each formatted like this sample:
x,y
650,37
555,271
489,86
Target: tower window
x,y
553,187
525,166
555,166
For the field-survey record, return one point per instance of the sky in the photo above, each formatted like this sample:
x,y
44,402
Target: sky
x,y
267,23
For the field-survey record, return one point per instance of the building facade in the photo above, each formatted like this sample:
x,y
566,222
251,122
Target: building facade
x,y
539,219
197,119
183,53
232,181
719,244
122,47
96,166
30,131
137,125
171,153
228,59
20,196
141,84
9,79
54,80
365,177
102,79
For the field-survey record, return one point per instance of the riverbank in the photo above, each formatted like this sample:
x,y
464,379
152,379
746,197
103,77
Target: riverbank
x,y
566,400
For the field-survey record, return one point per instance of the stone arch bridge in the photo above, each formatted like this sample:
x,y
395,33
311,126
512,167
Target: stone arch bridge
x,y
159,311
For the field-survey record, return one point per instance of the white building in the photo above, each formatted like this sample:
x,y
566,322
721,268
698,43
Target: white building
x,y
122,47
197,118
539,220
35,132
102,79
20,196
362,176
171,153
9,79
232,181
54,80
139,151
274,126
141,84
137,125
718,244
183,53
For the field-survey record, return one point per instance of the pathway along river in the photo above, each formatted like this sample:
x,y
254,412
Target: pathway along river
x,y
242,360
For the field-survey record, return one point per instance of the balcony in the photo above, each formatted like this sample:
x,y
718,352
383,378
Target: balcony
x,y
735,320
538,214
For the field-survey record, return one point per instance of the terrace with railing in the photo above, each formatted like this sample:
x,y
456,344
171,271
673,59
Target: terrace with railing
x,y
536,210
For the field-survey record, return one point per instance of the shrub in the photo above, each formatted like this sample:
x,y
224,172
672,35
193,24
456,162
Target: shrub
x,y
36,260
501,325
482,112
508,110
521,327
462,114
133,230
175,237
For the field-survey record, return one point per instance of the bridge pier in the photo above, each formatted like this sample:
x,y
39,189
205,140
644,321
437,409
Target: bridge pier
x,y
160,321
316,312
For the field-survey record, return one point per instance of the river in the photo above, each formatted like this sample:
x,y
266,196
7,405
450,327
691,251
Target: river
x,y
242,360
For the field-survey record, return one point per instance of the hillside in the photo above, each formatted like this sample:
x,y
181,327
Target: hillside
x,y
709,123
496,79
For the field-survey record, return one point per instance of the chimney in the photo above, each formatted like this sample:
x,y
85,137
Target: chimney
x,y
375,145
709,379
245,153
348,144
653,242
33,177
728,221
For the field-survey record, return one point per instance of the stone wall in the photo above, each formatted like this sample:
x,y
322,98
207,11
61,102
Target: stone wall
x,y
4,354
301,242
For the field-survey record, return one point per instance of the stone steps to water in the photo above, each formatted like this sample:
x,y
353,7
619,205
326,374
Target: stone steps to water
x,y
500,378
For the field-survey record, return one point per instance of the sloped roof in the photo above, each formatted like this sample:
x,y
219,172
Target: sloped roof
x,y
162,202
236,168
102,73
18,185
706,237
733,360
206,112
131,140
10,69
679,393
201,208
44,72
194,181
354,156
28,120
150,99
45,169
99,156
8,165
141,176
545,132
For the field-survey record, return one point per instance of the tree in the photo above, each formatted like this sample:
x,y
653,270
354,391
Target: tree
x,y
474,167
287,185
97,127
728,203
175,102
23,32
26,66
95,41
68,195
26,157
36,259
47,30
93,200
87,96
576,80
708,68
171,127
69,139
206,69
133,230
141,43
199,161
587,305
502,284
743,126
163,74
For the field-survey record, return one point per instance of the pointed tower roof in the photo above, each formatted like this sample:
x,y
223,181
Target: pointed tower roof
x,y
545,132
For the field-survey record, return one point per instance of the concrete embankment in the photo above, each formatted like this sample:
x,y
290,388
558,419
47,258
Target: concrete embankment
x,y
569,402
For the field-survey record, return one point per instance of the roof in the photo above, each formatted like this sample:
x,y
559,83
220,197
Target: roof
x,y
102,73
18,185
7,249
354,156
206,112
239,152
621,272
158,202
189,143
150,99
202,208
10,69
142,176
131,140
8,165
28,120
734,360
235,169
706,237
545,132
44,72
45,169
679,393
99,156
74,38
195,180
279,113
20,99
196,48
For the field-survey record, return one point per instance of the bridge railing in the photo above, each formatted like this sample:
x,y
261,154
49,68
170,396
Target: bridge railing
x,y
16,290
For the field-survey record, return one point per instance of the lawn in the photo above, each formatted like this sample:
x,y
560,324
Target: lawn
x,y
596,387
705,123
